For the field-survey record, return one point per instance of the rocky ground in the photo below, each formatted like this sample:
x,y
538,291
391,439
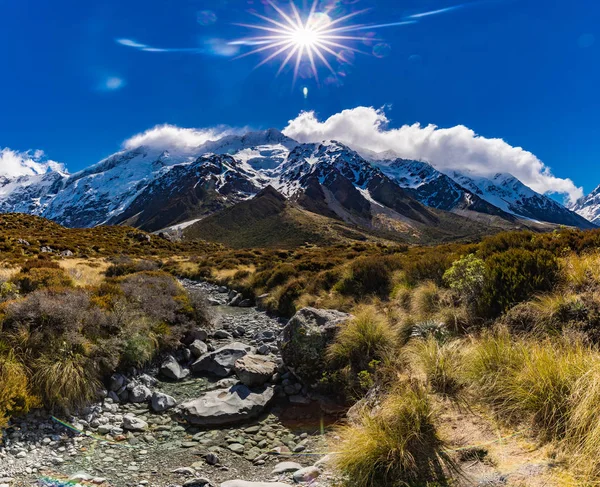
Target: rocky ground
x,y
224,408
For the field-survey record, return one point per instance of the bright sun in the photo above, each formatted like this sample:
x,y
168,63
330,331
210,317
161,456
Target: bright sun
x,y
310,38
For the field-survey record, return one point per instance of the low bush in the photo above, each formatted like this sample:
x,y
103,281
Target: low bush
x,y
466,277
367,276
516,275
41,277
394,445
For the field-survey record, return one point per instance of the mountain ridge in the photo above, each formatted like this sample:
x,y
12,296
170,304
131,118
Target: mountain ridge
x,y
154,187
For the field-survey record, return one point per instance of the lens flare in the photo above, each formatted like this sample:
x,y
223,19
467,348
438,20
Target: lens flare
x,y
310,38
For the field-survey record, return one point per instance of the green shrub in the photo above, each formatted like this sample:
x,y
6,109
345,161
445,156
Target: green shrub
x,y
428,267
280,275
516,275
467,278
139,349
367,276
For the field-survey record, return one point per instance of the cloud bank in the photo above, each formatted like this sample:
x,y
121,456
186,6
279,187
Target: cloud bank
x,y
457,148
173,137
14,163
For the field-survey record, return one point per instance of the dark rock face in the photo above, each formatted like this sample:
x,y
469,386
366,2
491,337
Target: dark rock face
x,y
305,339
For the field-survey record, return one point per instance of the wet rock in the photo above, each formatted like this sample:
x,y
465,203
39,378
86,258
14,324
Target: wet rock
x,y
193,335
161,402
227,406
305,339
221,335
254,370
245,303
221,361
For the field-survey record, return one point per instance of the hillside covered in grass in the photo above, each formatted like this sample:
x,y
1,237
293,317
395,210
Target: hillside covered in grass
x,y
509,326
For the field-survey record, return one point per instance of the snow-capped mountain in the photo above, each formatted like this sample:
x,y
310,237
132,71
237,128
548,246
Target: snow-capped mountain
x,y
156,187
588,206
509,194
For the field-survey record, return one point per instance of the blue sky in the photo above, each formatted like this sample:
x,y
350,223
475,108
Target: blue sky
x,y
526,71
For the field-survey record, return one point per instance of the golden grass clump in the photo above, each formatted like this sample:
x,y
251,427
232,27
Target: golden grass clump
x,y
526,378
581,271
367,337
426,300
392,445
440,362
15,398
64,380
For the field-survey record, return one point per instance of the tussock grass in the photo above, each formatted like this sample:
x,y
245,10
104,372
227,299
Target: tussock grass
x,y
440,362
65,380
581,271
395,444
525,379
85,272
369,336
426,300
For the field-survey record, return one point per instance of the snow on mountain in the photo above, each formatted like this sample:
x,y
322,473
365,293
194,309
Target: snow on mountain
x,y
509,194
154,186
589,206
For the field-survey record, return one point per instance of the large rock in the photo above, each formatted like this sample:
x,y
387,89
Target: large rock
x,y
254,370
193,335
245,483
161,402
227,406
133,423
171,369
221,361
140,393
198,348
305,339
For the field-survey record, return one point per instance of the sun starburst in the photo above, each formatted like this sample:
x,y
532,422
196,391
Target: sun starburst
x,y
312,37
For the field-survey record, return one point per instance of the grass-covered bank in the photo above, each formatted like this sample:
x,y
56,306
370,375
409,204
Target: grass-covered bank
x,y
66,325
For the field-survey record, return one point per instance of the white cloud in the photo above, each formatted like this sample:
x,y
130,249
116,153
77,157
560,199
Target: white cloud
x,y
14,163
456,148
170,136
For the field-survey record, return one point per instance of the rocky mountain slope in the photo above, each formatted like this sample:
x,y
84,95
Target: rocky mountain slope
x,y
588,206
157,187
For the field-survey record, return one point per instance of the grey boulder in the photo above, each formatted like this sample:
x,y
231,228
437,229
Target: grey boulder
x,y
227,406
285,467
305,339
254,370
132,423
221,361
140,393
161,402
198,348
171,369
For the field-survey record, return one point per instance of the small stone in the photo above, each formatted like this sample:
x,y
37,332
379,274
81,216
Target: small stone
x,y
285,467
307,474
